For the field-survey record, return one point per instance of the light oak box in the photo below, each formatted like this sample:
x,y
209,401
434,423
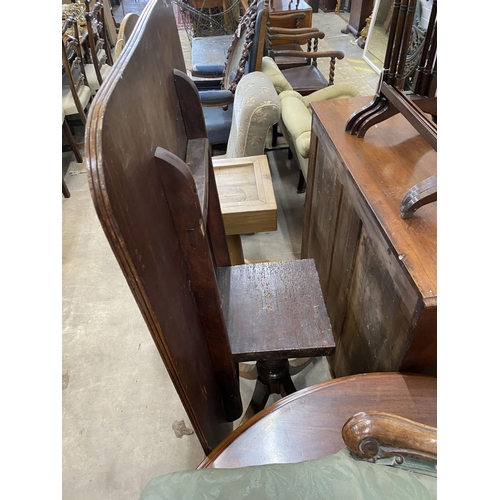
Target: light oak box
x,y
246,194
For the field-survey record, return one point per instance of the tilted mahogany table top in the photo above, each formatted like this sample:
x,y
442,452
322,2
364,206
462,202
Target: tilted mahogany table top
x,y
308,424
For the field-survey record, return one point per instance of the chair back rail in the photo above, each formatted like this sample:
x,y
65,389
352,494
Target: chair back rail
x,y
137,110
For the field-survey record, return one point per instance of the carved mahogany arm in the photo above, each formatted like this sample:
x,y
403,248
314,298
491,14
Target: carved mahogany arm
x,y
292,31
334,54
379,435
295,36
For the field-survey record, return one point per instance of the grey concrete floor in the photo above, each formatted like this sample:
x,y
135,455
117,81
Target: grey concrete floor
x,y
118,402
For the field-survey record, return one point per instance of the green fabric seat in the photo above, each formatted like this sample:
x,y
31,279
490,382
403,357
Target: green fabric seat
x,y
335,477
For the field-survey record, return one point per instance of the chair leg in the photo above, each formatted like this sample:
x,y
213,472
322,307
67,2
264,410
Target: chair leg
x,y
301,186
72,143
65,190
275,135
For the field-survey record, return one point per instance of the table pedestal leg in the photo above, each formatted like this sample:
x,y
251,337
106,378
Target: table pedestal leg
x,y
273,377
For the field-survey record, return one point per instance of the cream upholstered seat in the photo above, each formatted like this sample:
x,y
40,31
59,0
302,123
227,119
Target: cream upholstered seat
x,y
68,103
92,78
296,114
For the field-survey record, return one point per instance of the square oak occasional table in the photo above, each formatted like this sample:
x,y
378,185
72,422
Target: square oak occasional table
x,y
247,200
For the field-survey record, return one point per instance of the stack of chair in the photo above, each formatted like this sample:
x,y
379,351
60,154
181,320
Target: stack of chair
x,y
217,80
76,94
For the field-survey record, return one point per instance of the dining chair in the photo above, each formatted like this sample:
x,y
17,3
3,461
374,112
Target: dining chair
x,y
99,47
209,53
72,147
153,186
76,93
304,77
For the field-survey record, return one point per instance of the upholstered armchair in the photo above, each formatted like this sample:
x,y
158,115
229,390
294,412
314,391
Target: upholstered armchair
x,y
386,458
296,114
256,109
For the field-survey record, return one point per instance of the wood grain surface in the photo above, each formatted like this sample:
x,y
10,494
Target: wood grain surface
x,y
308,424
275,310
246,194
136,111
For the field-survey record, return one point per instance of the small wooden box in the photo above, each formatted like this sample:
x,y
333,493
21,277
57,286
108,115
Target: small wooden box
x,y
246,194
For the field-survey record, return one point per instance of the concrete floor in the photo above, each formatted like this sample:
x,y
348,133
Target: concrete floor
x,y
118,402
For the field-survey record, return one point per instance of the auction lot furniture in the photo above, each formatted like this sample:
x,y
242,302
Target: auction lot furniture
x,y
377,270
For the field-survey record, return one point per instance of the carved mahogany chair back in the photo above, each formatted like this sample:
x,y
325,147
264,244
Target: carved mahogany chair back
x,y
248,45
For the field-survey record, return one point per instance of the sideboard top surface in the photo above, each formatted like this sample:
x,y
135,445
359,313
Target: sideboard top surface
x,y
384,165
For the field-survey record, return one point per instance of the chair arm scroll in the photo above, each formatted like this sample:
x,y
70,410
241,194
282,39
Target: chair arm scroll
x,y
374,436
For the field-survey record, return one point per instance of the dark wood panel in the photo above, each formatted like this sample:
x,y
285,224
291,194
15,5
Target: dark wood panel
x,y
343,253
360,10
376,327
324,204
421,354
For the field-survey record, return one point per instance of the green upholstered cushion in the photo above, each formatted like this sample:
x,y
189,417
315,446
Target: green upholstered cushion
x,y
336,91
297,120
335,477
271,70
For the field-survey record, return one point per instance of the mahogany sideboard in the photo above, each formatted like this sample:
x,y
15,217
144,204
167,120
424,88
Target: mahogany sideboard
x,y
377,271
